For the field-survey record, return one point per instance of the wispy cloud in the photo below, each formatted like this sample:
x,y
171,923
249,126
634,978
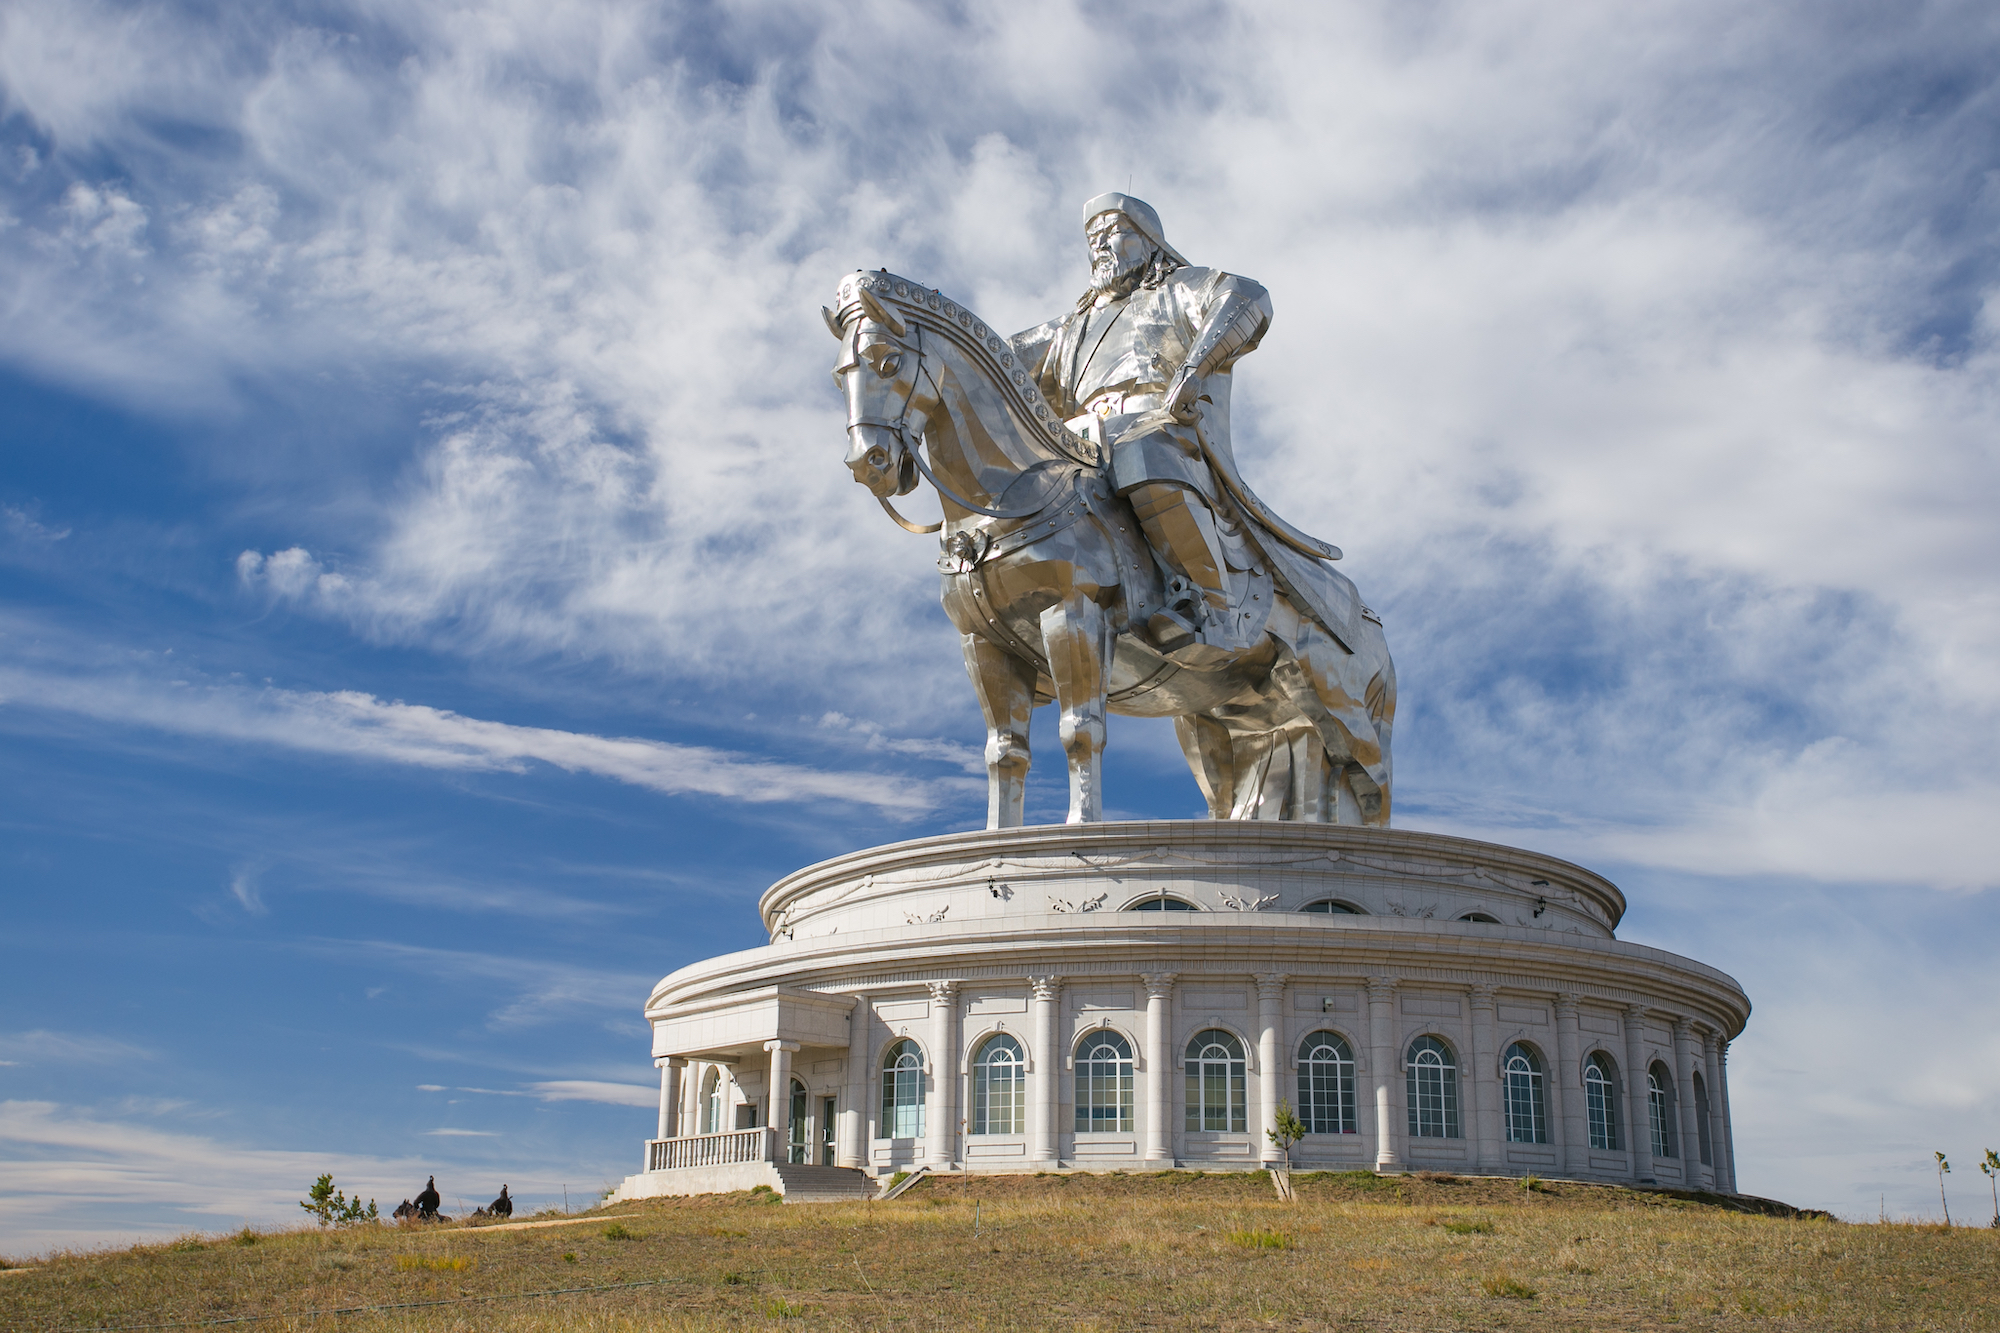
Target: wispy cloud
x,y
45,1047
360,726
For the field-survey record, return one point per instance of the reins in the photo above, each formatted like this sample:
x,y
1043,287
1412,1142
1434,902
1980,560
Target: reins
x,y
912,448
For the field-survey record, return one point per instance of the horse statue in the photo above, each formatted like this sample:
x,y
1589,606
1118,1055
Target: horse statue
x,y
1051,585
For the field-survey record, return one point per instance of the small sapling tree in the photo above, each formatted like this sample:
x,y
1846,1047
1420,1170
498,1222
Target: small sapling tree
x,y
1991,1168
1944,1169
1286,1130
334,1208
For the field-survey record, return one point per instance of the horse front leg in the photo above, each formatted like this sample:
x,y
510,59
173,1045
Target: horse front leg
x,y
1076,636
1006,689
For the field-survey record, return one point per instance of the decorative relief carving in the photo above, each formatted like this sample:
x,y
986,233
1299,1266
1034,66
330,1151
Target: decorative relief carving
x,y
1085,905
919,919
1237,904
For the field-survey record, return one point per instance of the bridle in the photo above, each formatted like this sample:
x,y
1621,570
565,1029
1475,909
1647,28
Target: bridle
x,y
911,450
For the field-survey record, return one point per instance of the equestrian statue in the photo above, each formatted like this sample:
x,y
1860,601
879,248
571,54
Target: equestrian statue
x,y
1100,548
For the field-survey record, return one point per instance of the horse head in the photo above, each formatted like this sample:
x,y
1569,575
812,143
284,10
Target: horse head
x,y
880,370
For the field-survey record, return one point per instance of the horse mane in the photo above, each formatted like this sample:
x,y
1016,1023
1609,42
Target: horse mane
x,y
928,308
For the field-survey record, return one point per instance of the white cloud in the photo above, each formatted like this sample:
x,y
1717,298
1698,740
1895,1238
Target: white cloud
x,y
588,1090
45,1047
359,726
463,1133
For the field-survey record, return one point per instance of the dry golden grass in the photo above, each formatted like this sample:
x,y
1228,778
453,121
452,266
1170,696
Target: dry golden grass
x,y
1178,1250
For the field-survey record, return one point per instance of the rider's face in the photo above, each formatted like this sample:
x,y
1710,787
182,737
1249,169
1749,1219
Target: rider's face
x,y
1117,249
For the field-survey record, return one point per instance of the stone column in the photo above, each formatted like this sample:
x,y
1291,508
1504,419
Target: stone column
x,y
1045,1087
1384,1072
1483,1082
1159,1064
670,1095
1270,1061
942,1113
851,1147
1638,1113
780,1095
1725,1148
1684,1094
1709,1065
1573,1129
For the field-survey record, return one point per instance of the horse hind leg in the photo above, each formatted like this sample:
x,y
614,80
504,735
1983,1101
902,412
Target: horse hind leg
x,y
1351,724
1006,689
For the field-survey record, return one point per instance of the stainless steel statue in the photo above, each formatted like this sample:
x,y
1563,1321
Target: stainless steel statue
x,y
1099,547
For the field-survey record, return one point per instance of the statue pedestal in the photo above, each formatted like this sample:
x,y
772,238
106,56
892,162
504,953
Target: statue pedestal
x,y
1100,996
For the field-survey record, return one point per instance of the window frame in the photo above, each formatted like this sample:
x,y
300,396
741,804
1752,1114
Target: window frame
x,y
1206,1074
1425,1052
1524,1104
1333,907
1323,1080
895,1077
999,1102
1600,1101
1660,1110
1094,1077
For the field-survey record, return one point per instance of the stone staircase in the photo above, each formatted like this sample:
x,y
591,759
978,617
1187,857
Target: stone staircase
x,y
822,1184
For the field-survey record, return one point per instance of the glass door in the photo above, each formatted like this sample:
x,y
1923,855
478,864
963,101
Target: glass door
x,y
797,1146
827,1107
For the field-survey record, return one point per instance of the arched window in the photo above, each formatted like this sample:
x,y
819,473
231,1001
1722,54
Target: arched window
x,y
1161,903
902,1091
711,1101
999,1088
796,1135
1104,1083
1482,918
1326,1084
1433,1090
1527,1112
1660,1109
1216,1084
1334,906
1701,1113
1600,1101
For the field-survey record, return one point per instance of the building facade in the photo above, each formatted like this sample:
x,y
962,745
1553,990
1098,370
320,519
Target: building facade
x,y
1145,995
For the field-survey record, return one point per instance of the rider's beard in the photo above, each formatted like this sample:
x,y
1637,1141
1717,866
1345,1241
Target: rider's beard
x,y
1114,276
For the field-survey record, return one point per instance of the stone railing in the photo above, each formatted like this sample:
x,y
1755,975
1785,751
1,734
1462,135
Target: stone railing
x,y
740,1145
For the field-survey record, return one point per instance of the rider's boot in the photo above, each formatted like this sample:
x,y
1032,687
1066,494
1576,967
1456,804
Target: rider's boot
x,y
1181,529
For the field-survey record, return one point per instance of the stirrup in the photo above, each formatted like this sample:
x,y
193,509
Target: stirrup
x,y
1170,630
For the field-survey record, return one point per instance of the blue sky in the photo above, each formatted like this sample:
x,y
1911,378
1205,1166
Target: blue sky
x,y
432,606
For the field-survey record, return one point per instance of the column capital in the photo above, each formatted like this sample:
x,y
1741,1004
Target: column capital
x,y
1482,996
1046,986
942,991
1722,1049
1159,985
1635,1015
1683,1028
670,1062
1709,1041
1271,985
1566,1002
776,1045
1381,989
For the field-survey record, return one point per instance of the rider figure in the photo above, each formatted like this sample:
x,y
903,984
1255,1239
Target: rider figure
x,y
1135,365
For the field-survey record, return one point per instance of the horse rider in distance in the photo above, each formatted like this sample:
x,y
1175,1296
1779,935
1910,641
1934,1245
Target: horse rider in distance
x,y
1140,366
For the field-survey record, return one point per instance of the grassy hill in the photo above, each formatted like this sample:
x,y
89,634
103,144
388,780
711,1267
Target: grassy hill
x,y
1176,1250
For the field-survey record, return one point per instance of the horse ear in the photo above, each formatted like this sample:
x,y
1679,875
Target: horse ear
x,y
833,323
880,313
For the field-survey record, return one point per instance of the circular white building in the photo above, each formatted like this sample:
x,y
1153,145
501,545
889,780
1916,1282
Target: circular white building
x,y
1146,995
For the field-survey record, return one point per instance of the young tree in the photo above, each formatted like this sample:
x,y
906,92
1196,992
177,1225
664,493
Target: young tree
x,y
1289,1129
334,1208
1991,1168
1944,1169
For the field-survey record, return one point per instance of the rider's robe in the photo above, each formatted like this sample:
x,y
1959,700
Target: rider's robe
x,y
1116,363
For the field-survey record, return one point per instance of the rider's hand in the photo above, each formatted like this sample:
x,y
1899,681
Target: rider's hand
x,y
1182,394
